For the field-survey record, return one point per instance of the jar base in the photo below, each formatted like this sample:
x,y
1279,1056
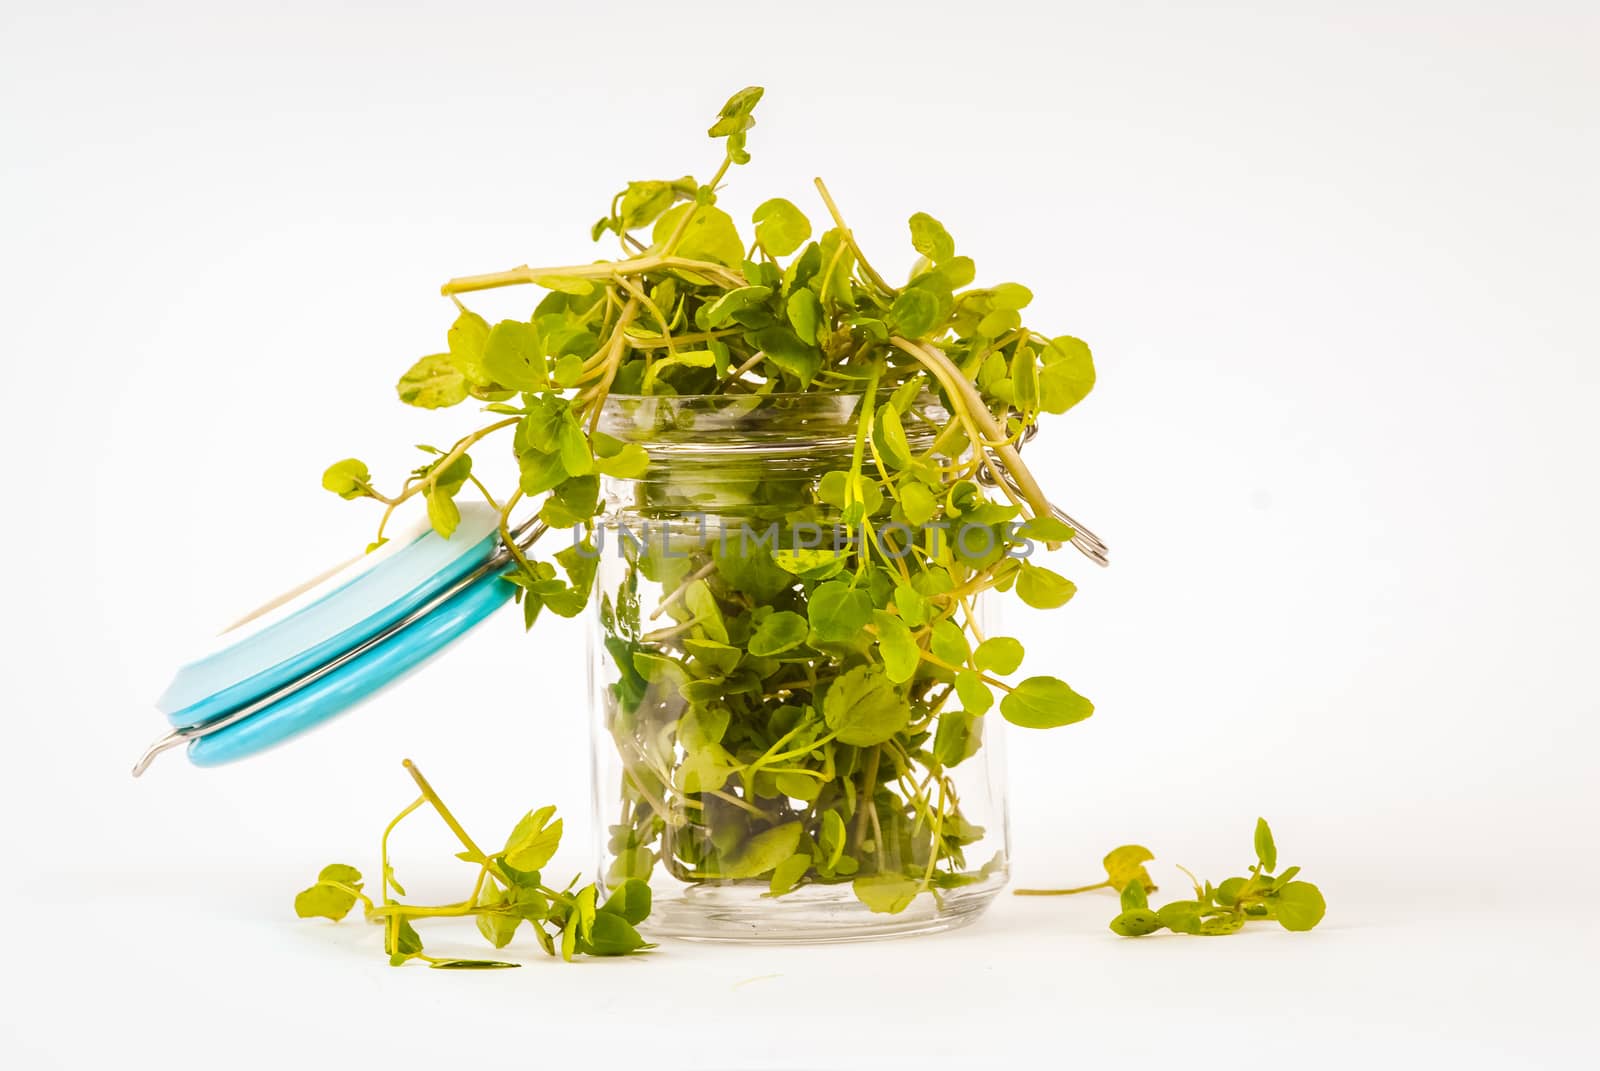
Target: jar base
x,y
815,914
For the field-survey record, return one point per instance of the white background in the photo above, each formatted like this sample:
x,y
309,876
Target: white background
x,y
1337,262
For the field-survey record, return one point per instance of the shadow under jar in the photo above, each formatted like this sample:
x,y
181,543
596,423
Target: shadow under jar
x,y
753,759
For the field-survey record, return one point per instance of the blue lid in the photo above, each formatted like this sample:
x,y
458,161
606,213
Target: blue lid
x,y
326,646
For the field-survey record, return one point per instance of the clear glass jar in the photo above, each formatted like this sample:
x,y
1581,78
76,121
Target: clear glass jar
x,y
717,775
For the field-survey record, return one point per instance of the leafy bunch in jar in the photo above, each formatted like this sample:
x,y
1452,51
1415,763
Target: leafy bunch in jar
x,y
785,714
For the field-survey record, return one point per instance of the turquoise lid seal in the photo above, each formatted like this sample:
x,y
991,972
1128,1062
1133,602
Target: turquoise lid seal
x,y
325,647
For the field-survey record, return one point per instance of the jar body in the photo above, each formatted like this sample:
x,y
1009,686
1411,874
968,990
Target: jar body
x,y
753,760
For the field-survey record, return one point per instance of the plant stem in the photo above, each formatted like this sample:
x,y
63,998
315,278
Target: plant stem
x,y
444,812
1062,892
604,269
955,383
869,785
617,345
838,221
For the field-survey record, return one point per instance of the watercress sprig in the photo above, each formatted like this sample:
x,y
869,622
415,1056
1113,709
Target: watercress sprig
x,y
506,892
1215,910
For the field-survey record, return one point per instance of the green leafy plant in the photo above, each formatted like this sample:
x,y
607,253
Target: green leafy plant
x,y
1215,910
792,715
506,893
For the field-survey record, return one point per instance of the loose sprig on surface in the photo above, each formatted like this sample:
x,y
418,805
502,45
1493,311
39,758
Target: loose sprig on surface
x,y
506,892
812,703
1216,910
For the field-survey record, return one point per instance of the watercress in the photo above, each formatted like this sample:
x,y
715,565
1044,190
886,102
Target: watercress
x,y
507,892
1215,910
789,715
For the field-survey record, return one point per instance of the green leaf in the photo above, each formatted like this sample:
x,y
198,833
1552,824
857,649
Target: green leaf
x,y
1228,892
812,563
785,349
897,647
721,311
918,503
1266,850
1044,703
1285,878
568,370
915,312
498,929
342,873
325,901
797,786
584,910
702,604
1012,296
838,612
1134,897
470,964
612,935
1221,925
781,228
571,502
998,654
838,260
711,234
433,383
1024,380
575,455
777,633
703,726
540,471
623,461
787,874
949,642
1136,923
540,428
1181,916
443,513
1299,906
929,238
911,606
721,657
643,202
1067,376
805,314
956,739
831,841
404,942
763,852
886,894
735,117
348,478
467,338
974,694
569,938
750,569
1046,529
631,900
1126,864
534,840
514,358
864,708
1042,588
889,435
658,669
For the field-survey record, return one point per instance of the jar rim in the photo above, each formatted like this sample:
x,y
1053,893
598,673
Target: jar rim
x,y
777,424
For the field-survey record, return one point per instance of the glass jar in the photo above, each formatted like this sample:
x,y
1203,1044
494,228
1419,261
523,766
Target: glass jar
x,y
734,742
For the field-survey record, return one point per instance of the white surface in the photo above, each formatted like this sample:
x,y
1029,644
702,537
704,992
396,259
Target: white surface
x,y
1337,265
